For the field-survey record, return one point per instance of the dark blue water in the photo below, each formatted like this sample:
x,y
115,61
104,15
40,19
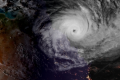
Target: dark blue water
x,y
10,15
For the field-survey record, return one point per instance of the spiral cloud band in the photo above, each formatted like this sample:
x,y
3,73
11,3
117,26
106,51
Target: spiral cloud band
x,y
74,27
71,26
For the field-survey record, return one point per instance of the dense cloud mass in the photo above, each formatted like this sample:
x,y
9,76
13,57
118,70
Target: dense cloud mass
x,y
57,45
75,33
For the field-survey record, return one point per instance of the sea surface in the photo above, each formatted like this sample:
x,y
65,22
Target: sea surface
x,y
8,14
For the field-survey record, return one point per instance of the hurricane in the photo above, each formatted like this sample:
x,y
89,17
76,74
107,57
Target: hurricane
x,y
73,36
62,37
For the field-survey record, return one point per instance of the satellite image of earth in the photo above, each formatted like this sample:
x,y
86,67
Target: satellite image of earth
x,y
59,40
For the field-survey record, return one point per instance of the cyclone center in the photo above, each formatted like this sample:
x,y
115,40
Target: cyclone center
x,y
74,30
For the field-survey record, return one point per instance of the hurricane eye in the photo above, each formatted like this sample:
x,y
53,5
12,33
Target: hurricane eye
x,y
74,31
